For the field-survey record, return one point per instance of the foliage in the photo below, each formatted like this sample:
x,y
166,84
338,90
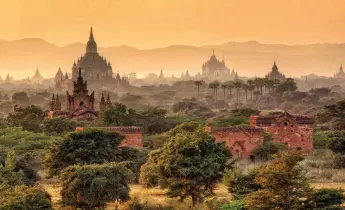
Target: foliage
x,y
155,142
283,184
92,186
192,161
246,112
29,118
86,147
231,121
150,173
337,145
234,205
24,197
266,150
288,85
192,107
336,112
326,199
153,120
20,97
9,179
321,139
213,203
241,184
118,115
59,126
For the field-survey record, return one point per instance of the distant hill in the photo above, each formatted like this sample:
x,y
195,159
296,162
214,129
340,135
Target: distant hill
x,y
22,57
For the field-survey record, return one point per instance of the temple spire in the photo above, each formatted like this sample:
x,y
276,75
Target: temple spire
x,y
91,35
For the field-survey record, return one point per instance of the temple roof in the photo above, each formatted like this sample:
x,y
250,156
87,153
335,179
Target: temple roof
x,y
275,119
91,46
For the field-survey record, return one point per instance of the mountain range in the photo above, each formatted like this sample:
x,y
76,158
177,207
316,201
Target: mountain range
x,y
22,57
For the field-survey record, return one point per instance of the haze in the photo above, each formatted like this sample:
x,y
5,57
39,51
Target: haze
x,y
157,23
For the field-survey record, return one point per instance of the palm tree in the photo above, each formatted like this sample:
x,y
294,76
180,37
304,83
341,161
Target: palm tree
x,y
216,86
211,86
259,83
276,83
251,87
245,87
230,86
224,86
269,84
198,84
238,85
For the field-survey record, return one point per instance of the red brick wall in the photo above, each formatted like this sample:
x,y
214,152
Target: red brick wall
x,y
241,142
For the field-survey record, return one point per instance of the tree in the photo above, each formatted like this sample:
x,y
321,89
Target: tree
x,y
30,118
192,161
288,85
59,125
241,184
230,86
224,87
266,150
153,120
251,87
238,86
259,83
198,84
283,182
20,98
118,115
245,87
80,148
92,186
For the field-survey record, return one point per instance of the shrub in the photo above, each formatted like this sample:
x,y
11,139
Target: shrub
x,y
92,186
240,184
326,199
266,150
234,205
24,197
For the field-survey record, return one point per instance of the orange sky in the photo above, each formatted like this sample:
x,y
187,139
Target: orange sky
x,y
159,23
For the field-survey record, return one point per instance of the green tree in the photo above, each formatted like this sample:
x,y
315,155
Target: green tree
x,y
268,149
241,184
288,85
118,115
59,125
86,147
92,186
192,161
283,182
29,118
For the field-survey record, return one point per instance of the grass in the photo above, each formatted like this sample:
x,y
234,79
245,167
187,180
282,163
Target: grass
x,y
156,196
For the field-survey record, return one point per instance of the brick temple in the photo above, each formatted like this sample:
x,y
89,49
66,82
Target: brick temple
x,y
295,131
241,141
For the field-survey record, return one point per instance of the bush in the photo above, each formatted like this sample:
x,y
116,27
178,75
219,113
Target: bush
x,y
24,197
234,205
326,199
92,186
241,184
266,150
